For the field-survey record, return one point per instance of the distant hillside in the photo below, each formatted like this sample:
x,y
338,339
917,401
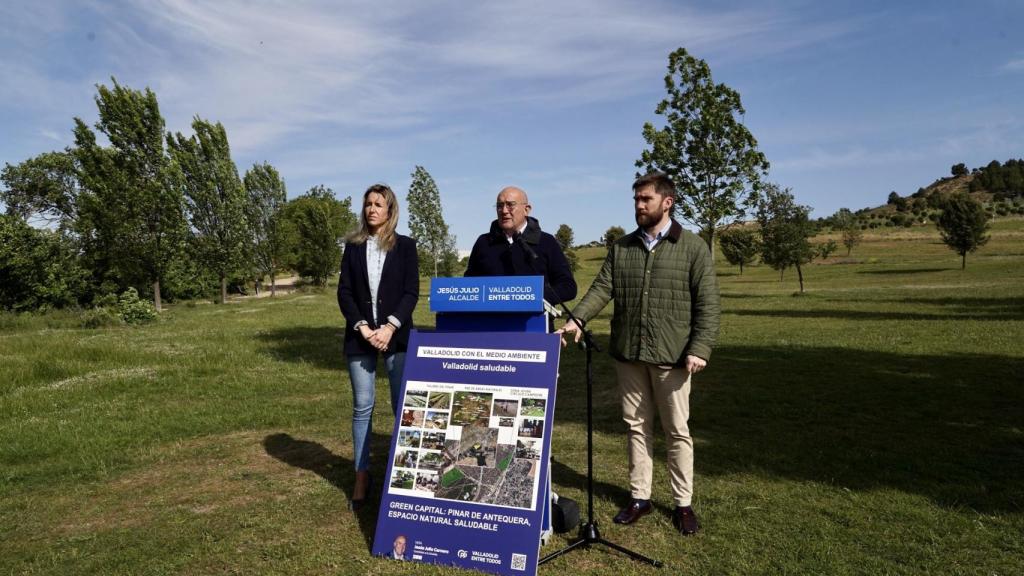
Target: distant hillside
x,y
1000,187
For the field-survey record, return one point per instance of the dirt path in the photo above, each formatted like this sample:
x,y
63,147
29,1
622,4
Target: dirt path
x,y
284,286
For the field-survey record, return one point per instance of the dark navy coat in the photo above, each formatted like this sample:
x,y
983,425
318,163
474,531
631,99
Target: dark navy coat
x,y
396,296
492,255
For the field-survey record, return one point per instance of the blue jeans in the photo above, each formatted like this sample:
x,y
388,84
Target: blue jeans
x,y
362,370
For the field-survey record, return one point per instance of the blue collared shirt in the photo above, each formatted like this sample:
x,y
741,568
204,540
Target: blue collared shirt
x,y
652,241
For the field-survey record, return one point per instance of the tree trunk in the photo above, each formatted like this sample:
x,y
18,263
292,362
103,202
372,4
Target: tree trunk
x,y
273,286
223,288
741,268
800,274
782,274
963,261
711,243
156,296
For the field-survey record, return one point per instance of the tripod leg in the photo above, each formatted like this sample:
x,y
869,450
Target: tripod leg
x,y
565,550
630,553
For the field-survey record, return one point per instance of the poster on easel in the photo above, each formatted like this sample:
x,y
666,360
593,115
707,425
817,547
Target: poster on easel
x,y
468,466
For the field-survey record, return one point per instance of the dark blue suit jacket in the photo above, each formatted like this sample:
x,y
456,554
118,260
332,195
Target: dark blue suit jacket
x,y
396,296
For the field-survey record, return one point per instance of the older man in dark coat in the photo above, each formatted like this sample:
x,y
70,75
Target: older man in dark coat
x,y
500,252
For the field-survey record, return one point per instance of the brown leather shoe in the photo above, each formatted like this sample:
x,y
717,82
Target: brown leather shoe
x,y
685,520
633,512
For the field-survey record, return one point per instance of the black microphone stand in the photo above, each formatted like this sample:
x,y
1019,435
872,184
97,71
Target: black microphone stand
x,y
589,534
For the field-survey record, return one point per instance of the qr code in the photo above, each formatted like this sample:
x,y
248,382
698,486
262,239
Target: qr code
x,y
519,561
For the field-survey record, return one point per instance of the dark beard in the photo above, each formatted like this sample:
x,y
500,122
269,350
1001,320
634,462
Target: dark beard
x,y
649,219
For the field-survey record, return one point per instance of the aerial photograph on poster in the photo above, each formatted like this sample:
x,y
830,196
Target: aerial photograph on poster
x,y
474,444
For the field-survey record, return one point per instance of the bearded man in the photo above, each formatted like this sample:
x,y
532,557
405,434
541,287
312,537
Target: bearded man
x,y
665,323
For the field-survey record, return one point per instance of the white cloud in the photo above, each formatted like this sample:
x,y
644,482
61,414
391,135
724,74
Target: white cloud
x,y
269,70
1016,65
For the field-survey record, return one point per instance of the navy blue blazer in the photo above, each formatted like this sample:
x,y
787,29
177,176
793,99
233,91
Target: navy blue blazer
x,y
396,296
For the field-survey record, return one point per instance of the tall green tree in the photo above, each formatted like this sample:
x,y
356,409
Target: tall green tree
x,y
131,214
786,229
320,222
44,188
612,234
846,223
267,233
426,223
740,245
704,147
963,225
214,197
565,238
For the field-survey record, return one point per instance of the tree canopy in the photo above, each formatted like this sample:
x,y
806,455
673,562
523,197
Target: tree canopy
x,y
963,225
785,231
39,268
321,222
131,213
740,245
846,223
704,147
1004,180
43,188
426,224
612,234
214,197
267,227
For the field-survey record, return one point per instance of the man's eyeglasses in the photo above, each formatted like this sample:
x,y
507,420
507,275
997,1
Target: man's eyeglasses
x,y
510,205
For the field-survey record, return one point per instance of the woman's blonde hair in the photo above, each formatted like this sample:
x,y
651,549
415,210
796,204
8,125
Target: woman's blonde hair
x,y
386,231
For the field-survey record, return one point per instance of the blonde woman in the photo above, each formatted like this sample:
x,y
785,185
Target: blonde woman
x,y
377,293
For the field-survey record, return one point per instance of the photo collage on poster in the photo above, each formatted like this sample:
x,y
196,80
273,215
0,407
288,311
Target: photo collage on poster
x,y
471,443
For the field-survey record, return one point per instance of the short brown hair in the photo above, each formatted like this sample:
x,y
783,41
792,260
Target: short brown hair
x,y
663,185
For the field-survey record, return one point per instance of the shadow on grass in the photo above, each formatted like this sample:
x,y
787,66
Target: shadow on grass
x,y
336,470
1000,308
904,271
947,428
982,309
568,477
319,345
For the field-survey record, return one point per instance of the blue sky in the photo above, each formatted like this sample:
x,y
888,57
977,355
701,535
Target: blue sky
x,y
848,100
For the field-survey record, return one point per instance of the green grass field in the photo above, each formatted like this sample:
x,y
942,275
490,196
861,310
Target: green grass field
x,y
874,425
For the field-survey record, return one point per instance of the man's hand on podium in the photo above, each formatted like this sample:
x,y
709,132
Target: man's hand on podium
x,y
570,327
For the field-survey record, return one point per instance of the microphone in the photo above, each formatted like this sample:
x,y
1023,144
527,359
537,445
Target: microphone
x,y
525,246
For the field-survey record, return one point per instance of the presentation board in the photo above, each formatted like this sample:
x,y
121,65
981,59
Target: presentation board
x,y
468,466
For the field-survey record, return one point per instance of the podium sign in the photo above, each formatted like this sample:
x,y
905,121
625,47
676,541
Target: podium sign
x,y
487,294
489,304
469,459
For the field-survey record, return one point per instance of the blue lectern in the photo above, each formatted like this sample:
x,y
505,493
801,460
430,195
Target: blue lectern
x,y
489,304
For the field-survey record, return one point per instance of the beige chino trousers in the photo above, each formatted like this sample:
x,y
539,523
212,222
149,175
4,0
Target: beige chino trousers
x,y
646,390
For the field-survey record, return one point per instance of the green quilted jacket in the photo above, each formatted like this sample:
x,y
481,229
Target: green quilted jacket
x,y
666,299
